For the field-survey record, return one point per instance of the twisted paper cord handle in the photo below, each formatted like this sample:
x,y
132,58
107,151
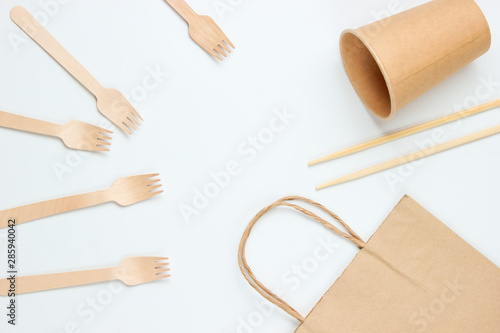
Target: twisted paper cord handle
x,y
245,268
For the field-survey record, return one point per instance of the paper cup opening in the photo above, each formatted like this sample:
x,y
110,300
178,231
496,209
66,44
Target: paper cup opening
x,y
366,74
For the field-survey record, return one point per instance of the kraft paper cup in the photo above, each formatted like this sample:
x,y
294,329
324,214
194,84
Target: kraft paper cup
x,y
393,61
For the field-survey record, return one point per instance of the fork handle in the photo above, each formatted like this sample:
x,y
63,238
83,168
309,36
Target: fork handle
x,y
29,284
43,209
42,37
27,124
184,10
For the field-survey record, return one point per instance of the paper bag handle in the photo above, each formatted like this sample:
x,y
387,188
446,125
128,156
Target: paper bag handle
x,y
247,272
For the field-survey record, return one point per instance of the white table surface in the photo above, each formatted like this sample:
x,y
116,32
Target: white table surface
x,y
199,115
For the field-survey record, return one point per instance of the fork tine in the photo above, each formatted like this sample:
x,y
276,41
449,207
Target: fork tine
x,y
125,128
219,49
97,148
132,109
152,194
159,277
224,46
157,259
160,264
228,41
134,119
135,113
153,259
149,176
147,195
151,188
215,54
104,137
152,181
159,271
103,143
130,124
103,130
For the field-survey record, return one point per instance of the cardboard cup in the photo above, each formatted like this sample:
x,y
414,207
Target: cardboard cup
x,y
393,61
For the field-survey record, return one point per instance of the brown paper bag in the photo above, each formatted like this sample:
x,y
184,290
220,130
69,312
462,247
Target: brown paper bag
x,y
413,275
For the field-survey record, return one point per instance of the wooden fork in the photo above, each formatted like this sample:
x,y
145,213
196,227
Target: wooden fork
x,y
203,30
75,134
110,102
132,271
124,191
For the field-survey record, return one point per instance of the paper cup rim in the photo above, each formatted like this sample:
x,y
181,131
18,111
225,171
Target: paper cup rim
x,y
382,69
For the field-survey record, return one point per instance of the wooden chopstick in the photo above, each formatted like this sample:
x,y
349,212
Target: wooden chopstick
x,y
413,157
409,131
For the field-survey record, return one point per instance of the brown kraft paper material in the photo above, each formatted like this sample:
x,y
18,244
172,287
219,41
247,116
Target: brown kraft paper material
x,y
413,275
393,61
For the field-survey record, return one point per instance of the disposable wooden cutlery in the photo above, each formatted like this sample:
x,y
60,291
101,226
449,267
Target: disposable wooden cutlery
x,y
124,191
413,157
409,131
132,271
75,134
203,30
110,102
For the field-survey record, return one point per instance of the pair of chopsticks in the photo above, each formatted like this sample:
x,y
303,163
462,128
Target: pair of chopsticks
x,y
407,132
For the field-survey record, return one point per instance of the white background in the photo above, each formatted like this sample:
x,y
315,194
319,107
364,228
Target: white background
x,y
287,57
